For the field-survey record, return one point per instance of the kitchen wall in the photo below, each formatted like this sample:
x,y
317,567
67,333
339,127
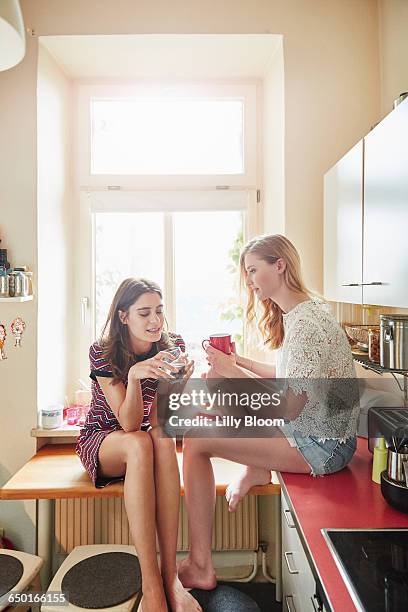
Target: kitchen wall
x,y
393,28
56,249
18,230
273,145
331,93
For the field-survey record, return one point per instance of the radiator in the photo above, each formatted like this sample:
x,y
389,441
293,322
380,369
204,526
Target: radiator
x,y
103,521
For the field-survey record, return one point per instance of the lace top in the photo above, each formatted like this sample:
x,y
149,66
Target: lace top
x,y
316,347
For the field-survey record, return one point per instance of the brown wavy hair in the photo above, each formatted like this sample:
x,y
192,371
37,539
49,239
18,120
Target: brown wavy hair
x,y
271,248
115,341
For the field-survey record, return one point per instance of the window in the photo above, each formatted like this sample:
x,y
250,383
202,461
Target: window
x,y
126,244
159,136
193,262
167,179
168,136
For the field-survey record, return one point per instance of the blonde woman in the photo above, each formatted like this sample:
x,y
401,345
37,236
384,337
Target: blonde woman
x,y
310,344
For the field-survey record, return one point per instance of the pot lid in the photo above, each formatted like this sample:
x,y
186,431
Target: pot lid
x,y
394,317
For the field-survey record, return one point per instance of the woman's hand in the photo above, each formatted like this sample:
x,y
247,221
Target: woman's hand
x,y
156,367
189,369
225,365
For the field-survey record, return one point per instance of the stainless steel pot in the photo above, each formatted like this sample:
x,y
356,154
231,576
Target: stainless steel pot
x,y
394,341
4,285
395,464
21,283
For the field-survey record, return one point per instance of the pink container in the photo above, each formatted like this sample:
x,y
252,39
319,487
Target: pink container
x,y
83,413
72,415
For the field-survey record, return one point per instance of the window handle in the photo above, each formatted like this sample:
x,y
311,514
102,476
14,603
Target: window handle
x,y
84,308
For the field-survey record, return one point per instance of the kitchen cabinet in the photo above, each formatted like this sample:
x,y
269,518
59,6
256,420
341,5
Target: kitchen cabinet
x,y
385,258
298,583
343,228
366,218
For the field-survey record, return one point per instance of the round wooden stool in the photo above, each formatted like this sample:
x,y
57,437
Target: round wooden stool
x,y
20,572
98,577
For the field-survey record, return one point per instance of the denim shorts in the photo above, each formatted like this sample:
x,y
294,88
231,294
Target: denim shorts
x,y
325,457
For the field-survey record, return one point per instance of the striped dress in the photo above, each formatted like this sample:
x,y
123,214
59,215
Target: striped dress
x,y
101,421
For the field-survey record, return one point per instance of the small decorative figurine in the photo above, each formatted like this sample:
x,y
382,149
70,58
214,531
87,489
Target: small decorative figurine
x,y
17,329
3,335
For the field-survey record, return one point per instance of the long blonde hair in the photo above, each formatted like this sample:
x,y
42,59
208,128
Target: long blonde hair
x,y
271,248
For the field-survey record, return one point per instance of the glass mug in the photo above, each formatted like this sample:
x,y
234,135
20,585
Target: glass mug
x,y
179,361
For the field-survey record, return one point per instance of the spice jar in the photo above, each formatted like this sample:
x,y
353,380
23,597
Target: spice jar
x,y
374,345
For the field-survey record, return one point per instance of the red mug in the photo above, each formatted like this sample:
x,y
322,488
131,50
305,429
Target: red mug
x,y
222,342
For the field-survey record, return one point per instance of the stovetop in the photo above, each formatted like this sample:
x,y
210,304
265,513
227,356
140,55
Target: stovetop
x,y
374,565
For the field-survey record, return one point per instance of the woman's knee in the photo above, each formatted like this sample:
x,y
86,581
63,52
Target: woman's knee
x,y
161,440
137,444
196,446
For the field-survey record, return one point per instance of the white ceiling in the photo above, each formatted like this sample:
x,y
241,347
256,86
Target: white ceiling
x,y
164,55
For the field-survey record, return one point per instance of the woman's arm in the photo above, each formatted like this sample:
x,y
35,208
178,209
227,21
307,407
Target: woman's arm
x,y
262,369
125,403
235,366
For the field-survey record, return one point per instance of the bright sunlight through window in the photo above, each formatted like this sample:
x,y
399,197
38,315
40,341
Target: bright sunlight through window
x,y
167,136
204,259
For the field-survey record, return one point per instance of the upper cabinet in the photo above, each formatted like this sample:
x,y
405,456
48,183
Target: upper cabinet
x,y
343,228
385,258
366,218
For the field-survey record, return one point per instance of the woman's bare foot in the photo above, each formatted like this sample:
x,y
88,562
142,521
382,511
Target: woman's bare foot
x,y
179,599
250,477
194,576
153,600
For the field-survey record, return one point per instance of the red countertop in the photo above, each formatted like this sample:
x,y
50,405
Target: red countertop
x,y
346,499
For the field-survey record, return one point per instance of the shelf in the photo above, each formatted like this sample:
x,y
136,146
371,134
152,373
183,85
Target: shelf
x,y
25,298
65,431
375,367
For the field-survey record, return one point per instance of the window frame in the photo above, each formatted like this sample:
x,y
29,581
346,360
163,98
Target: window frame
x,y
92,201
245,90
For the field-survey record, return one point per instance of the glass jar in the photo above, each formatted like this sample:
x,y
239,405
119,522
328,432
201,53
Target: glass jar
x,y
374,345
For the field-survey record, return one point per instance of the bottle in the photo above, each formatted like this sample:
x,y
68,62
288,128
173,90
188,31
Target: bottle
x,y
4,264
379,460
374,345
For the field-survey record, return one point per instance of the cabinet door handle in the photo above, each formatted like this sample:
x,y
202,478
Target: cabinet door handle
x,y
287,514
290,569
388,334
371,284
290,606
352,285
315,604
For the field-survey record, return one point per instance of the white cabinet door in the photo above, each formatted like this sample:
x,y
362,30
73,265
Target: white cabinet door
x,y
343,228
298,583
386,211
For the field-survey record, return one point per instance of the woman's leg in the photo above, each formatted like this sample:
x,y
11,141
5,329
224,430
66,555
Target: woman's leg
x,y
261,454
131,454
167,482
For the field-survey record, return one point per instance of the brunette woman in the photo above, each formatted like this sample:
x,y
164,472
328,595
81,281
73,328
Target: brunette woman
x,y
121,440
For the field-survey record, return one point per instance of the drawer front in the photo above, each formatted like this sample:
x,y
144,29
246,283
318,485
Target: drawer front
x,y
298,582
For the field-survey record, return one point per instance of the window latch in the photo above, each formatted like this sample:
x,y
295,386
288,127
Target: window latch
x,y
84,308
